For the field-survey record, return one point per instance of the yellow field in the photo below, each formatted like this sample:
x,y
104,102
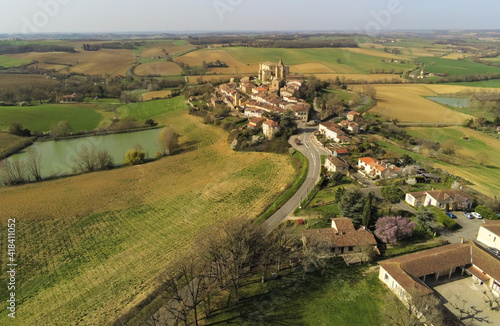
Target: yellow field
x,y
156,95
405,103
93,245
162,68
196,58
16,80
106,61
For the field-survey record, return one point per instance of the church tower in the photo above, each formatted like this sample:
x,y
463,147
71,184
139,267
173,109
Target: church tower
x,y
280,70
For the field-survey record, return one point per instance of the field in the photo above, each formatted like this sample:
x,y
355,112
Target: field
x,y
493,83
162,68
156,95
41,117
154,109
8,141
456,67
351,62
15,80
196,58
484,178
407,104
93,245
8,61
113,62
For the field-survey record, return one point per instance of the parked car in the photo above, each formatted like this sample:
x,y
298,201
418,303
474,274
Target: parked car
x,y
494,251
468,215
450,215
476,215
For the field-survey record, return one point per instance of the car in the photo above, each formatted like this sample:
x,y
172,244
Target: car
x,y
468,215
450,215
476,215
494,251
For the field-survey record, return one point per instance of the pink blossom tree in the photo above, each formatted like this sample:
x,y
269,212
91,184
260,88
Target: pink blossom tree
x,y
392,229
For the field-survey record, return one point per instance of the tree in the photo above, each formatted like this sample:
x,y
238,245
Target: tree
x,y
134,157
393,229
424,218
351,205
370,91
89,159
12,171
369,209
169,140
34,164
17,129
418,308
449,147
392,193
61,129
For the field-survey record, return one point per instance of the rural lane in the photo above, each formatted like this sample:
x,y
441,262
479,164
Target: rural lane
x,y
313,154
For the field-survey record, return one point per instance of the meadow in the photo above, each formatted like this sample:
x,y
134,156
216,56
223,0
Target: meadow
x,y
41,117
94,245
8,61
151,110
493,83
456,67
162,68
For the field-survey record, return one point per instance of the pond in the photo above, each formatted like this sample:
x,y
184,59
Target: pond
x,y
58,157
453,101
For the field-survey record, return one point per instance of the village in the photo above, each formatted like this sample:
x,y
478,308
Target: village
x,y
470,262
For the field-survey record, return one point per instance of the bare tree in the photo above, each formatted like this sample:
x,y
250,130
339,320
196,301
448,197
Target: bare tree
x,y
169,140
417,309
35,164
89,159
12,171
314,254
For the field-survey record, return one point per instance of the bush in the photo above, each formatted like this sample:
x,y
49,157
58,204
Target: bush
x,y
486,212
300,221
134,157
444,219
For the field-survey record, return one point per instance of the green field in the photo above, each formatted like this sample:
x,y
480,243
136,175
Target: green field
x,y
352,63
456,67
152,109
8,62
493,83
41,117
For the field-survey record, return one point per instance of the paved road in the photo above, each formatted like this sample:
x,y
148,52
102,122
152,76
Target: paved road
x,y
313,154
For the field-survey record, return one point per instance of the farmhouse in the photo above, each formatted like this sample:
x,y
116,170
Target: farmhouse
x,y
351,126
270,128
68,98
377,169
353,115
334,164
408,273
489,234
454,198
342,239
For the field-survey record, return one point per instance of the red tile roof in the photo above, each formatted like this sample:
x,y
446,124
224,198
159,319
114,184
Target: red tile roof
x,y
344,236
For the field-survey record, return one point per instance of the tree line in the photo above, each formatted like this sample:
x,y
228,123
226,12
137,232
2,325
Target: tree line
x,y
112,45
276,42
6,48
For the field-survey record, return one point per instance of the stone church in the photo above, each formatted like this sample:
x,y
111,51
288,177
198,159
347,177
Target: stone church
x,y
275,74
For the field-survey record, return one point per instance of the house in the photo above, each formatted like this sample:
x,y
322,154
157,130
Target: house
x,y
255,122
351,126
489,234
334,164
69,98
251,113
342,239
371,167
270,128
353,115
331,131
340,151
301,111
455,199
405,274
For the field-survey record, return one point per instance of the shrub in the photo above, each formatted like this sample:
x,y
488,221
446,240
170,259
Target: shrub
x,y
486,212
300,221
134,157
444,219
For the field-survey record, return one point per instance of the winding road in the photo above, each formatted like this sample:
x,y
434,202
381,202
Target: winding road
x,y
312,151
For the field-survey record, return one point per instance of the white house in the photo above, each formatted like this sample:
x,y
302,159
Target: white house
x,y
371,167
334,164
439,199
270,128
331,131
489,234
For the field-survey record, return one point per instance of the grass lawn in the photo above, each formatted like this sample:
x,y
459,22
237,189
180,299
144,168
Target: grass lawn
x,y
352,63
94,245
456,67
41,117
152,109
8,62
343,296
345,96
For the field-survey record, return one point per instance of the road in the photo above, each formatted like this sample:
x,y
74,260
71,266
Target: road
x,y
313,154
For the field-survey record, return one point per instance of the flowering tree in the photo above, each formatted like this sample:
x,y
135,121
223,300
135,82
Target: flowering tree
x,y
393,229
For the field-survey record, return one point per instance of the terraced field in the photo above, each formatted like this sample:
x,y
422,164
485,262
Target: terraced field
x,y
93,245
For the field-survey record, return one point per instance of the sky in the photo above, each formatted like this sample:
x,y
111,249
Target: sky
x,y
99,16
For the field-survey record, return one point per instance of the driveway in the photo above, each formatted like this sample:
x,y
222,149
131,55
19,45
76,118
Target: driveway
x,y
468,229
